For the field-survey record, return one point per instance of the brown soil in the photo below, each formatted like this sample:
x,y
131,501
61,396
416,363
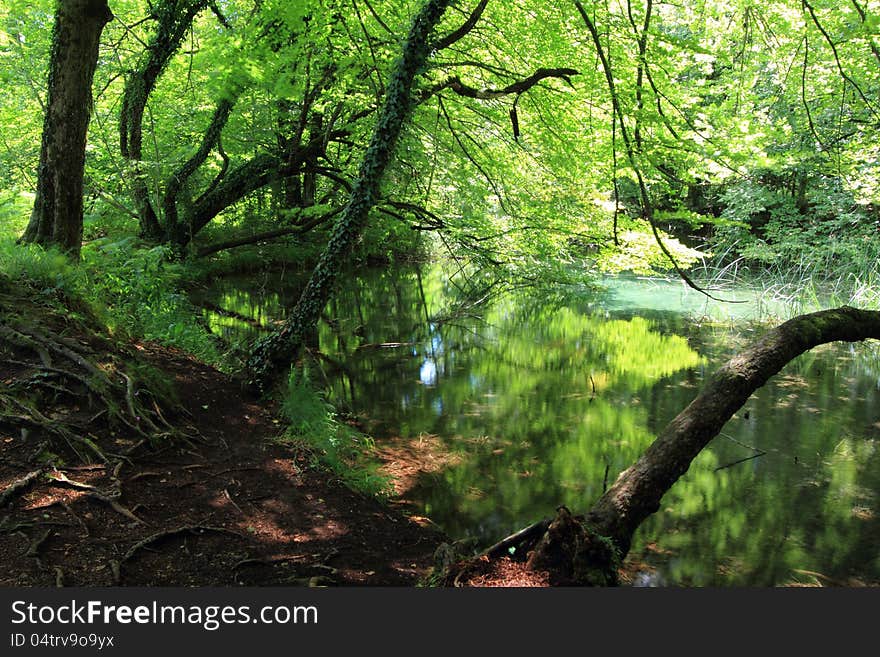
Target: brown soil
x,y
193,484
498,572
230,506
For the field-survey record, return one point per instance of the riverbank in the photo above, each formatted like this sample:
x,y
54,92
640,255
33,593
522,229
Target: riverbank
x,y
214,499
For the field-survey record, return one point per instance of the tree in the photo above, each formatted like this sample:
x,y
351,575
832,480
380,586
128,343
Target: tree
x,y
57,217
587,550
274,353
174,19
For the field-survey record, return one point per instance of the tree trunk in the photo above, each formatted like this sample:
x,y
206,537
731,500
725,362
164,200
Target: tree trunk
x,y
273,354
588,550
57,217
636,493
180,232
174,19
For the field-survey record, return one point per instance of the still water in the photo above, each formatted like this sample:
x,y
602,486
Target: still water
x,y
544,400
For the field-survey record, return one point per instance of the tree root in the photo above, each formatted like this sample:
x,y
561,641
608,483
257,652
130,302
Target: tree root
x,y
61,373
18,487
30,416
109,496
34,548
116,506
566,548
160,536
518,539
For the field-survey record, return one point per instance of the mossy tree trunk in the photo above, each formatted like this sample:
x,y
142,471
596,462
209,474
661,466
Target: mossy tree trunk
x,y
174,18
57,217
273,354
637,492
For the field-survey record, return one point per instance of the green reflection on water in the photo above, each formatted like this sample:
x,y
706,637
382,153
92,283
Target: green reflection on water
x,y
547,402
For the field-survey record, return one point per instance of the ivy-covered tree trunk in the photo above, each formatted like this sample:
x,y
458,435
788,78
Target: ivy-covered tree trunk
x,y
179,231
273,354
57,217
174,19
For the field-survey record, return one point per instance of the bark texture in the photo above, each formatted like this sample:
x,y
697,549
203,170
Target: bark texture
x,y
637,492
273,354
57,217
588,550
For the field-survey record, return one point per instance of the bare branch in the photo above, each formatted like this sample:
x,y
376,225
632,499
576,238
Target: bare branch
x,y
466,27
521,86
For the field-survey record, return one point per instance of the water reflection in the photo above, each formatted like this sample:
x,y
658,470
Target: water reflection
x,y
548,401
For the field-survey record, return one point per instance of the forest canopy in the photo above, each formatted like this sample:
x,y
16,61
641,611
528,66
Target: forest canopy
x,y
542,134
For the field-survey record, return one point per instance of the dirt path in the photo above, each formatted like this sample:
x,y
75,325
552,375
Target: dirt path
x,y
234,507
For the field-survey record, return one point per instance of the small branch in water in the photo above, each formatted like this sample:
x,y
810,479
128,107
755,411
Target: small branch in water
x,y
748,458
758,452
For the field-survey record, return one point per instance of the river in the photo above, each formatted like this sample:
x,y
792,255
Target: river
x,y
541,400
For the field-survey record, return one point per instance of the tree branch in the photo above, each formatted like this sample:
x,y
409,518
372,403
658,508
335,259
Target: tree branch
x,y
179,178
521,86
647,207
268,235
638,490
466,27
837,61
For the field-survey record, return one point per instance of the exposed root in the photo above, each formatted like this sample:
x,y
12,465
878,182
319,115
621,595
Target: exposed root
x,y
565,549
79,520
515,542
59,387
109,496
160,536
34,548
29,416
60,477
18,487
116,506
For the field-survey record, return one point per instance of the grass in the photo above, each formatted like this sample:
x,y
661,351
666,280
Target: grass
x,y
134,291
315,427
788,287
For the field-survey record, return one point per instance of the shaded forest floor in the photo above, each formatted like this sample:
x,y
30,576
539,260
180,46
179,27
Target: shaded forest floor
x,y
132,464
222,502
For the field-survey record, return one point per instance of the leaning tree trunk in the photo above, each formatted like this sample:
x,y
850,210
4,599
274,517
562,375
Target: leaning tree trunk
x,y
57,217
275,352
588,550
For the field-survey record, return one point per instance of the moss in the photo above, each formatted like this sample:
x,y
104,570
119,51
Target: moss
x,y
596,561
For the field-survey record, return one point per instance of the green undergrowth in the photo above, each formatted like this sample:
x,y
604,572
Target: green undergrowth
x,y
71,391
315,427
135,291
